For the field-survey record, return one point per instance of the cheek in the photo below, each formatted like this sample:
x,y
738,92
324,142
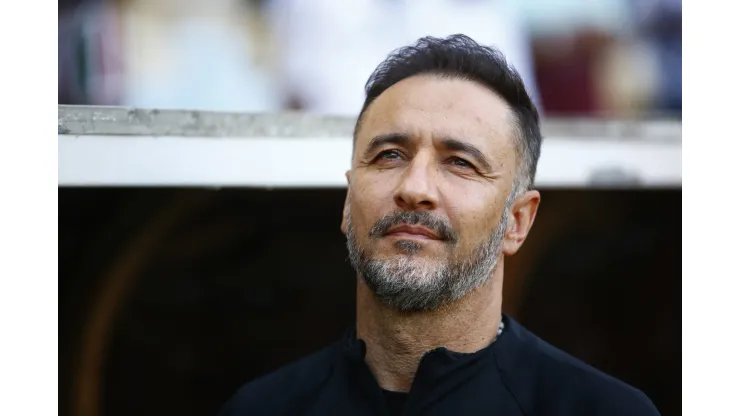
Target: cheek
x,y
369,202
474,216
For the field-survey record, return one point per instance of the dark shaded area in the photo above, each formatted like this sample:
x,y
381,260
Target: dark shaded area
x,y
226,285
610,293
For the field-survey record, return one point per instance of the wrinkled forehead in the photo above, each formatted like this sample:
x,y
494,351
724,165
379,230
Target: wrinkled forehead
x,y
430,107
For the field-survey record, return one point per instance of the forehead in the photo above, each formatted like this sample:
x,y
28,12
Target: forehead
x,y
431,106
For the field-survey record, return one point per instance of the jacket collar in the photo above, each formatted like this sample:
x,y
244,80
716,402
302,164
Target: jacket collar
x,y
440,370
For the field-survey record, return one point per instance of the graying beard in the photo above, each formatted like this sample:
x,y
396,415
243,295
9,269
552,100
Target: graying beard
x,y
408,286
408,247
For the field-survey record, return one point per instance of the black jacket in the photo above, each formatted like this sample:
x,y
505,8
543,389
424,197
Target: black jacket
x,y
519,374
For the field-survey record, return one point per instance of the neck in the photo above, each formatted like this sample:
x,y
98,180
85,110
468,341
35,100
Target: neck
x,y
396,341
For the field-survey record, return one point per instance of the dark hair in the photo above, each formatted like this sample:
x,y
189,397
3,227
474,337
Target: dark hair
x,y
462,57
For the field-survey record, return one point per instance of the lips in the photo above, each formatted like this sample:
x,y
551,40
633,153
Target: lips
x,y
417,225
413,231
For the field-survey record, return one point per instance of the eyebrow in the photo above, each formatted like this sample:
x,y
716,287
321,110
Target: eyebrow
x,y
383,139
449,143
469,149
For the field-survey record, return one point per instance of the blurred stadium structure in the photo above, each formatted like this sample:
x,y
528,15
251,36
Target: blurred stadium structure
x,y
604,57
123,147
200,244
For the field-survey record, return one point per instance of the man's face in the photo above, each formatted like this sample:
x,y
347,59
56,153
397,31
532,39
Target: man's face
x,y
433,167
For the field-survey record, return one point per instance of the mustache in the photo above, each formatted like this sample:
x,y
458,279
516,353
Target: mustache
x,y
423,218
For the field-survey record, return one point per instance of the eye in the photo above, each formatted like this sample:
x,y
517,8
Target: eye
x,y
389,155
460,162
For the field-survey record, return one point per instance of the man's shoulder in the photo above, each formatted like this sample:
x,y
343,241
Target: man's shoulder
x,y
593,388
281,390
563,381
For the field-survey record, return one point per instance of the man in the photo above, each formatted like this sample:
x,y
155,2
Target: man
x,y
445,152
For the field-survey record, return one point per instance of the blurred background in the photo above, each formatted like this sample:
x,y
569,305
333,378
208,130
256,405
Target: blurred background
x,y
600,57
170,298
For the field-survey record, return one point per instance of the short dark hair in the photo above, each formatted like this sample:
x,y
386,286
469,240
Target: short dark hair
x,y
461,57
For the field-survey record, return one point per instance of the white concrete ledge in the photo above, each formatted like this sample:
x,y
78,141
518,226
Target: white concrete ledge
x,y
123,147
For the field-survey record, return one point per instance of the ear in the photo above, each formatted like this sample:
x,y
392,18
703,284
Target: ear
x,y
345,212
521,218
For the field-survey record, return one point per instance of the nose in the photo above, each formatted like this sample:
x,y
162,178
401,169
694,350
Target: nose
x,y
417,189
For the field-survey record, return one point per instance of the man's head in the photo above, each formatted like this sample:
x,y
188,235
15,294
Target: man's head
x,y
445,151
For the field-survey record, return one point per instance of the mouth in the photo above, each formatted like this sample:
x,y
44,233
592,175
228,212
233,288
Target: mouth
x,y
412,231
